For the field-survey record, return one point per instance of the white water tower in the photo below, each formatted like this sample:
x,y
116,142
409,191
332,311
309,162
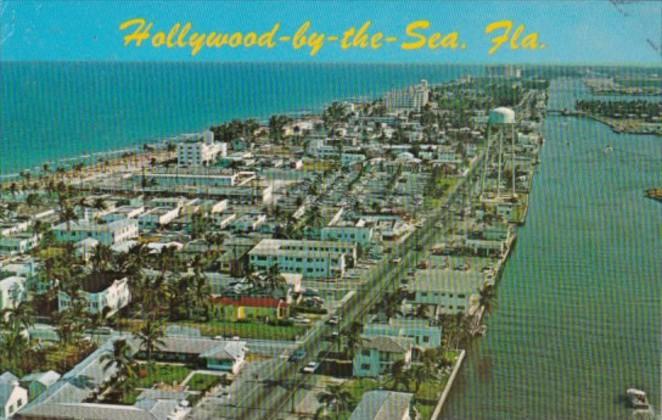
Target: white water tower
x,y
500,129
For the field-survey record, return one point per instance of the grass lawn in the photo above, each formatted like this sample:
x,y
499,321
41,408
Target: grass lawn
x,y
243,329
64,357
161,373
203,382
248,329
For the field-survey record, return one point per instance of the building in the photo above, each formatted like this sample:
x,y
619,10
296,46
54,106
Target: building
x,y
412,98
200,152
348,232
157,217
12,291
249,307
377,355
12,395
227,356
19,243
101,290
106,233
419,330
37,383
447,291
313,259
383,405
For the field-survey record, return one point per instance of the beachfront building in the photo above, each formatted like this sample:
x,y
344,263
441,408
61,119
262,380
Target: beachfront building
x,y
106,233
447,291
312,259
383,405
200,152
378,354
413,98
12,395
101,290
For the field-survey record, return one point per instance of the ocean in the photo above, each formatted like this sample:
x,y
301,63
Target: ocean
x,y
54,110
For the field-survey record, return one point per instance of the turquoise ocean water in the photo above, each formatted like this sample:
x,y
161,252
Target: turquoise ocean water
x,y
59,110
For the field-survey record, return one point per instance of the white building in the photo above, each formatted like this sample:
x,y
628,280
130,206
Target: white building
x,y
447,291
12,395
348,232
101,290
106,233
19,243
312,259
12,291
412,98
157,217
200,152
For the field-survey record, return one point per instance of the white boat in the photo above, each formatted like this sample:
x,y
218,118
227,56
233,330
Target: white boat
x,y
638,398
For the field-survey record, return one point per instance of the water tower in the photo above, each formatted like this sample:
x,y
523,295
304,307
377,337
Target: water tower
x,y
500,131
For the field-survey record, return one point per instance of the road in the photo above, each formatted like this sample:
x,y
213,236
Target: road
x,y
277,382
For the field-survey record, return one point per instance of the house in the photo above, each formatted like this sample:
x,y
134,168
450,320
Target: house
x,y
18,243
313,259
38,382
377,355
249,222
419,330
12,395
447,291
12,291
107,233
249,307
157,217
101,290
227,356
383,405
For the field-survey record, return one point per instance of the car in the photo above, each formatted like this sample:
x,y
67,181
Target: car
x,y
334,320
236,338
297,355
311,367
396,260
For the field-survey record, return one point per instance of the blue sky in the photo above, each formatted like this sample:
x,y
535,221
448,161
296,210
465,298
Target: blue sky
x,y
585,31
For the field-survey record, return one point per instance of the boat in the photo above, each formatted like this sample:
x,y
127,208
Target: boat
x,y
608,149
638,399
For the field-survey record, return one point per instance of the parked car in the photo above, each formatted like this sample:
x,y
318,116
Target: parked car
x,y
297,356
334,320
311,367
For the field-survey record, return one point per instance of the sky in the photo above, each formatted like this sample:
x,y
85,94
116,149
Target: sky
x,y
573,32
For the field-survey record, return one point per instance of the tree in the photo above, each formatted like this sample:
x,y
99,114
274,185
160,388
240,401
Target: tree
x,y
67,214
121,359
422,311
276,125
19,318
419,374
399,374
101,258
150,337
353,339
335,398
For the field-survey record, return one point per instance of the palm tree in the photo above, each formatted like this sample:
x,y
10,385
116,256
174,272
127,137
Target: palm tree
x,y
101,258
150,337
276,125
274,280
19,317
121,359
353,339
99,204
399,374
334,398
67,214
419,374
